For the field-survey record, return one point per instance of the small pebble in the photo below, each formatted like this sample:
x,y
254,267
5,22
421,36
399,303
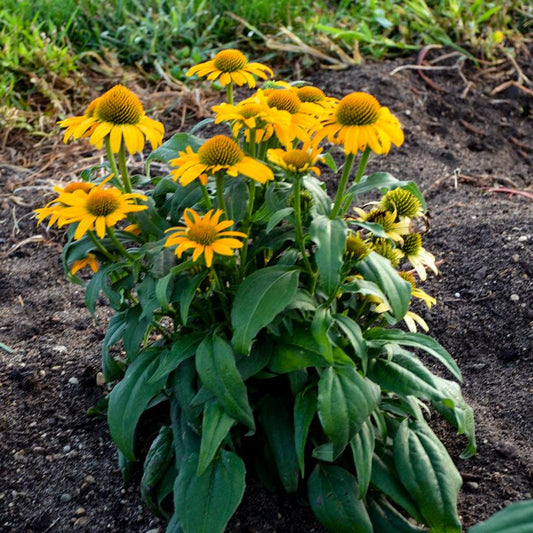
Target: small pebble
x,y
523,238
66,449
65,498
471,485
457,295
81,522
515,297
73,381
100,379
80,511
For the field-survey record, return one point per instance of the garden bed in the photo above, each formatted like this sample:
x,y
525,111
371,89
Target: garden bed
x,y
469,148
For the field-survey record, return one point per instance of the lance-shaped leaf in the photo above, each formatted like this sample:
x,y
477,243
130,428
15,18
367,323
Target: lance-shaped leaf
x,y
345,400
259,299
276,419
304,412
333,497
376,268
362,450
215,363
330,238
216,424
205,503
380,336
386,519
129,399
170,149
515,518
428,473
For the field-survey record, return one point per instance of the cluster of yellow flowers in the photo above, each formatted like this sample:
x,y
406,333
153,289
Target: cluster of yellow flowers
x,y
280,123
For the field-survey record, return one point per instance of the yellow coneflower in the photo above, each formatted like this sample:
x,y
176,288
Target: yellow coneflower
x,y
403,202
384,248
356,248
89,260
416,255
77,126
98,209
393,229
53,208
359,121
204,235
298,161
250,115
302,114
231,66
416,291
120,115
218,153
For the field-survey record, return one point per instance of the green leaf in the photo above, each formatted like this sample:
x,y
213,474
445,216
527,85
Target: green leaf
x,y
215,363
321,199
332,493
319,329
428,473
304,412
277,217
353,332
216,424
345,400
187,288
170,149
362,451
99,283
183,348
385,478
380,337
384,181
299,350
236,198
405,375
386,519
330,238
276,420
377,269
515,518
147,297
129,399
259,299
205,503
460,414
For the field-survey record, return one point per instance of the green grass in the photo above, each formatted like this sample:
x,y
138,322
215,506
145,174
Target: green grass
x,y
44,41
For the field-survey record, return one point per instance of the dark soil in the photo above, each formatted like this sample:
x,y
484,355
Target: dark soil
x,y
58,468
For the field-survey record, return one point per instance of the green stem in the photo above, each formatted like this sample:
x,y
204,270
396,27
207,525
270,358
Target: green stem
x,y
222,295
119,246
111,158
220,193
298,225
246,226
124,168
348,164
206,196
101,248
362,166
229,93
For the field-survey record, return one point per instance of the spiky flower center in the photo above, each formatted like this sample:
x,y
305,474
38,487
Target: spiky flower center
x,y
297,159
310,94
403,202
382,217
284,100
202,233
119,106
356,247
383,248
412,244
78,186
102,202
220,151
251,110
357,109
407,276
230,60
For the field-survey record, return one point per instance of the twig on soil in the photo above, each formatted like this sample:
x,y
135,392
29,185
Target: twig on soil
x,y
472,128
508,84
29,240
521,144
509,191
